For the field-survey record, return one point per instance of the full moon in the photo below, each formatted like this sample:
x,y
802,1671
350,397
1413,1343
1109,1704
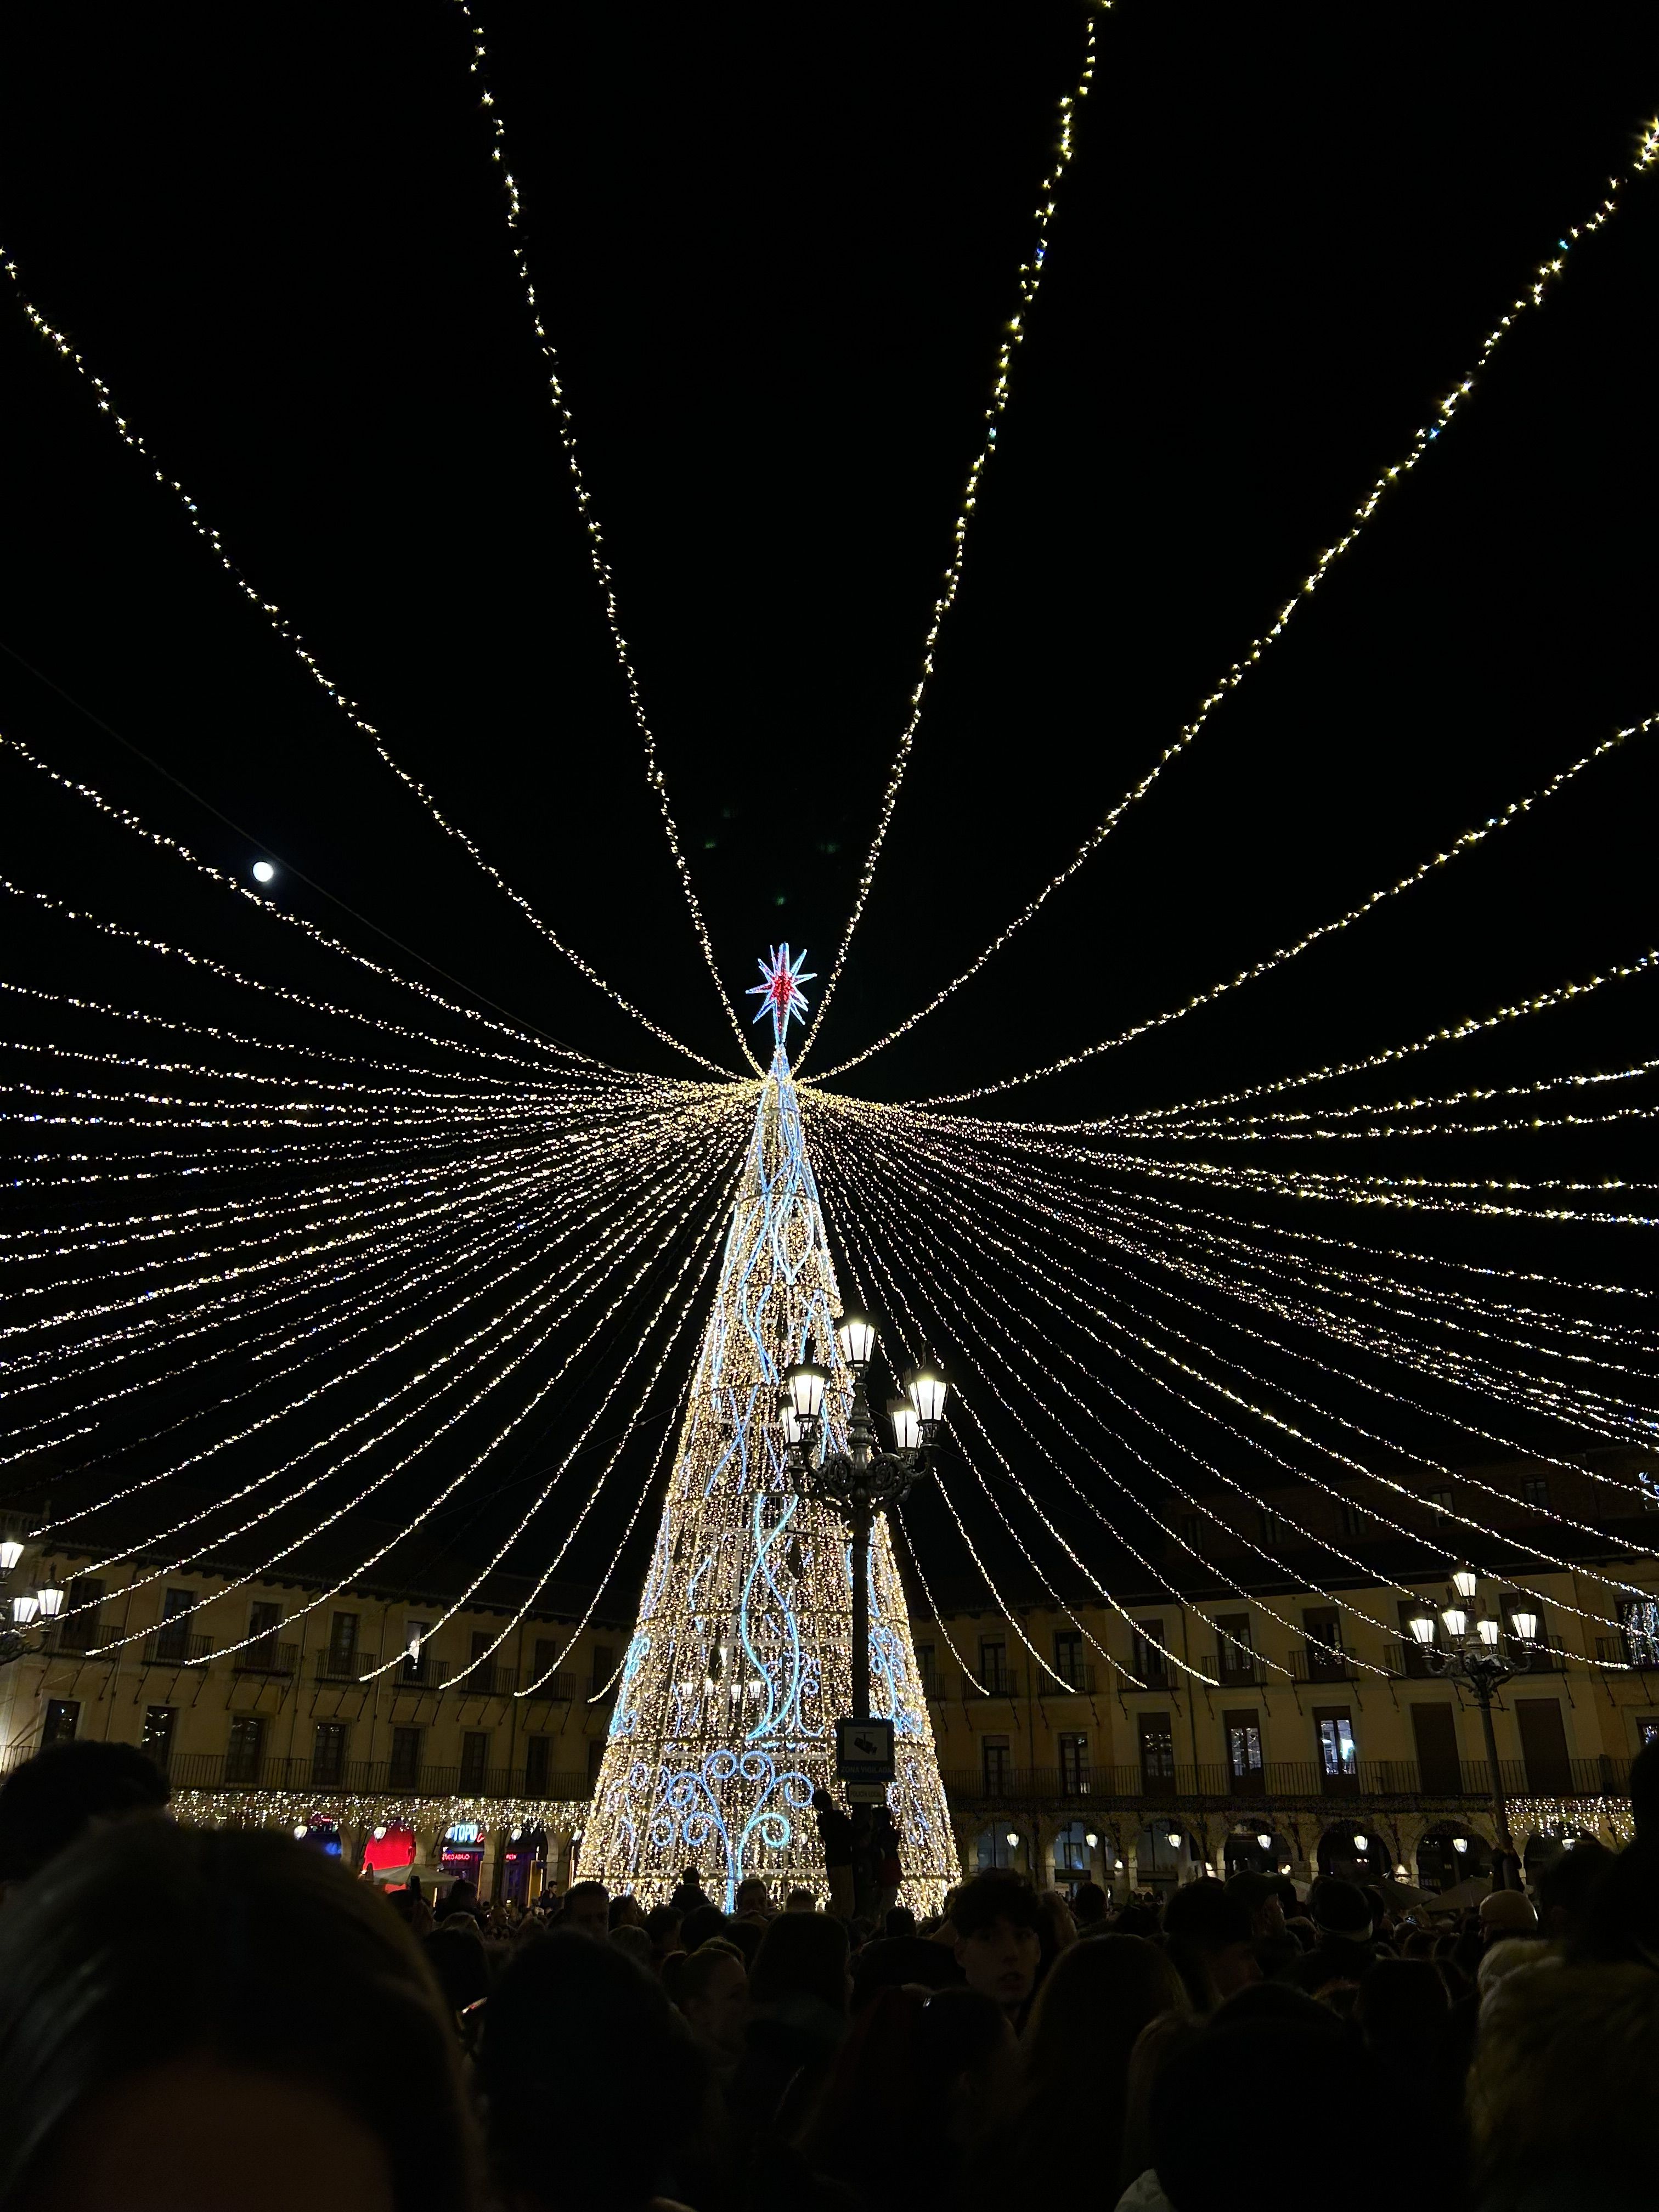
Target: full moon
x,y
263,872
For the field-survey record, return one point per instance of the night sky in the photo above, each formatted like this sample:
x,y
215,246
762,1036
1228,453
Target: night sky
x,y
775,249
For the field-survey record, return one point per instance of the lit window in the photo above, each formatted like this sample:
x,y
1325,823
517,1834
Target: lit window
x,y
1337,1752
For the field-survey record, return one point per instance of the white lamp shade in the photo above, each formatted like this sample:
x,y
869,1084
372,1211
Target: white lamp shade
x,y
52,1603
1361,1844
855,1333
1460,1844
1456,1619
1465,1582
24,1609
1013,1838
1525,1625
1423,1627
926,1389
10,1552
907,1426
805,1387
1486,1629
1264,1843
794,1429
1093,1842
1173,1839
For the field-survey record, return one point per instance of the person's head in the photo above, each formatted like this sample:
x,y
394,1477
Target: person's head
x,y
1556,2043
1093,2005
624,1912
690,1878
1338,1910
586,1908
998,1942
1208,1920
1088,1904
701,1925
745,1935
460,1897
802,1959
754,1896
898,1921
801,1900
1504,1957
1261,1896
458,1962
821,1800
232,1976
1154,2048
1564,1886
1212,2095
563,2012
46,1804
662,1925
711,1990
1507,1912
1400,2011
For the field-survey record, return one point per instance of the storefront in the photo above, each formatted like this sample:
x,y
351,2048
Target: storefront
x,y
462,1857
390,1853
523,1864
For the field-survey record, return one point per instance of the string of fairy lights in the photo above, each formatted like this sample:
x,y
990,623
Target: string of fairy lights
x,y
302,1277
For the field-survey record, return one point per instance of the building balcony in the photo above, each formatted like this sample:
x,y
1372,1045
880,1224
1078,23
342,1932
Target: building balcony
x,y
169,1647
1235,1670
1289,1782
1314,1662
267,1657
1080,1681
990,1682
555,1690
361,1778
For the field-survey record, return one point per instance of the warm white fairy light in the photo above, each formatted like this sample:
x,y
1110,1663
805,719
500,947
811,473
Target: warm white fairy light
x,y
290,636
478,63
1160,1254
1029,281
916,1213
1543,276
667,1233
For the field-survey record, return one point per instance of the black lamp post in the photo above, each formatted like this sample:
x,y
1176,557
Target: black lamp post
x,y
861,1481
1482,1654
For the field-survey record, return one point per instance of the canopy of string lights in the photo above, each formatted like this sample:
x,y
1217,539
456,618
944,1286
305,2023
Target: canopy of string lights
x,y
324,1245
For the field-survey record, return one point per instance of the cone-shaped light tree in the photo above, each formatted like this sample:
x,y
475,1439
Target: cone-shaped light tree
x,y
741,1660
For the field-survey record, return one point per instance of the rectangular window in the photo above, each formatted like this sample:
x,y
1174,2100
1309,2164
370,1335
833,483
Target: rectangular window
x,y
328,1751
1439,1771
1274,1532
258,1655
1544,1746
1237,1656
1327,1662
1242,1733
342,1644
404,1769
475,1759
246,1751
1074,1765
158,1733
1338,1755
63,1721
537,1752
605,1665
1068,1656
484,1664
542,1664
1156,1735
1351,1516
81,1632
1647,1729
927,1668
995,1764
1150,1664
172,1637
415,1667
1535,1491
1189,1528
993,1662
1437,1501
1638,1620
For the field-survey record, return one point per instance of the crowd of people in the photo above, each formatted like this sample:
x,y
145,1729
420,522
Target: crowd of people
x,y
200,2018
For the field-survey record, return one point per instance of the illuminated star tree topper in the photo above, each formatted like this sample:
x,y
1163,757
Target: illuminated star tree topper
x,y
780,990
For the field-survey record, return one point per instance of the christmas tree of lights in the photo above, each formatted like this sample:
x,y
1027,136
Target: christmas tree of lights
x,y
740,1662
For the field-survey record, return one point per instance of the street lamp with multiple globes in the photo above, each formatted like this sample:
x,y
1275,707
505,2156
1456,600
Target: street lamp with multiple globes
x,y
1482,1653
24,1609
861,1481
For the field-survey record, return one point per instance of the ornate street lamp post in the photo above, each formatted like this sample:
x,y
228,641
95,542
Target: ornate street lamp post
x,y
861,1481
1482,1654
